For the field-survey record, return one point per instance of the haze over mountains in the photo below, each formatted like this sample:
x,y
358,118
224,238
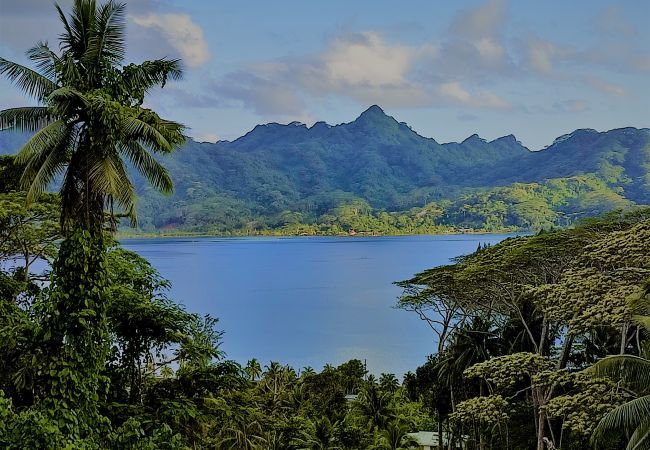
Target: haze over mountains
x,y
277,175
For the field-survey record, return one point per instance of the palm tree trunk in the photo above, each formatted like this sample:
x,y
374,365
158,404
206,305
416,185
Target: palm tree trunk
x,y
78,331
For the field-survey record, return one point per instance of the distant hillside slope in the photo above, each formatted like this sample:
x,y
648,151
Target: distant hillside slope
x,y
275,170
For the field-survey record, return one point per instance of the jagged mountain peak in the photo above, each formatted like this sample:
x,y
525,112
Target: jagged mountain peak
x,y
374,114
475,138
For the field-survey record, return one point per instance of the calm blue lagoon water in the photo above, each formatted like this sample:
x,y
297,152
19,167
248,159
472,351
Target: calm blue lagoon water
x,y
308,301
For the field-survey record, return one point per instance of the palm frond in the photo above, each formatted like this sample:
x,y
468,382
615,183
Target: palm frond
x,y
107,174
107,38
633,370
147,165
627,416
45,138
81,20
67,37
29,81
46,168
640,439
30,118
102,173
135,129
46,60
125,194
172,131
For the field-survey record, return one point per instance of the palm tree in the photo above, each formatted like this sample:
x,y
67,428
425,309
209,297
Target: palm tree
x,y
395,437
275,384
90,121
321,435
632,417
374,407
307,371
241,435
90,118
388,382
253,369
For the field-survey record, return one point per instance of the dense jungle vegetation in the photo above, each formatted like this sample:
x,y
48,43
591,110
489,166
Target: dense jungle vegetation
x,y
542,341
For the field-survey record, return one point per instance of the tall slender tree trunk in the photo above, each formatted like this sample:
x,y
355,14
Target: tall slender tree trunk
x,y
481,437
541,429
624,329
543,336
566,351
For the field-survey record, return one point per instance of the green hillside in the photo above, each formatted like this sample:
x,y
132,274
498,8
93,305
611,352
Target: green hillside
x,y
298,179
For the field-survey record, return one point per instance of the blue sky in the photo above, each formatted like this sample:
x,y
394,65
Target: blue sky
x,y
449,69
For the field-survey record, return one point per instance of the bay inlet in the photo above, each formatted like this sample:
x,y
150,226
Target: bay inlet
x,y
308,301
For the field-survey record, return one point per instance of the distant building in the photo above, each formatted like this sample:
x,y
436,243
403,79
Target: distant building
x,y
428,440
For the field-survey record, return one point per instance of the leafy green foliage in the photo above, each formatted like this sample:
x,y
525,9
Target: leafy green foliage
x,y
522,318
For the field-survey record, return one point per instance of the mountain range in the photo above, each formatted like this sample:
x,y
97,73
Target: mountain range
x,y
378,175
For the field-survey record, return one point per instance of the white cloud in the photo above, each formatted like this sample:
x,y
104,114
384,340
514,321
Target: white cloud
x,y
181,33
366,59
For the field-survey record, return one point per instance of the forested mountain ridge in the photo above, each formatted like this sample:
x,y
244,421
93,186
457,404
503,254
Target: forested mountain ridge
x,y
279,176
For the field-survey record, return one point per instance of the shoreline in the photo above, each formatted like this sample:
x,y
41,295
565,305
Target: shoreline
x,y
288,235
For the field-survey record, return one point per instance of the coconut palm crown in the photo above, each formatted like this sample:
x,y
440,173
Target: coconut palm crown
x,y
90,120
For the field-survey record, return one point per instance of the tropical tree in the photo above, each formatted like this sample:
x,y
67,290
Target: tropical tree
x,y
388,382
307,371
632,417
90,118
395,437
374,407
319,435
89,122
28,233
253,369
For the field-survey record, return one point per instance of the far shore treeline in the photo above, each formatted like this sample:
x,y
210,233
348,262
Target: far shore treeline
x,y
541,341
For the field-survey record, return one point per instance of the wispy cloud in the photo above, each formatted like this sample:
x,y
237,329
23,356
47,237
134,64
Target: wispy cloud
x,y
180,32
607,87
